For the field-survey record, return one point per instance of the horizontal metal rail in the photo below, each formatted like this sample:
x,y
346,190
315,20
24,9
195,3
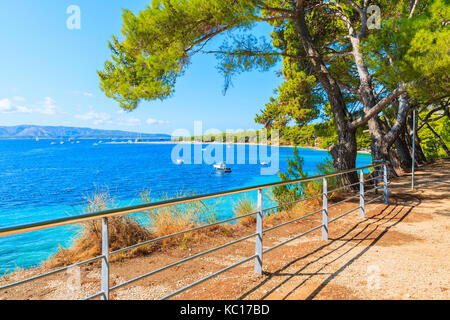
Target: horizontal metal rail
x,y
368,180
292,239
99,294
373,189
181,261
49,273
292,221
340,202
259,252
374,199
208,277
342,188
8,231
182,232
344,214
291,203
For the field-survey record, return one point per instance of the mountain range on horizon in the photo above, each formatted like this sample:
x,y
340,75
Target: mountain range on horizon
x,y
36,131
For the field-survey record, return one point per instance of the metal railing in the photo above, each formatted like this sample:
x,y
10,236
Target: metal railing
x,y
259,232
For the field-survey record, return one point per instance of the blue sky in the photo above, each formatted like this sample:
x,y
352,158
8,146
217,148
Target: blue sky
x,y
49,74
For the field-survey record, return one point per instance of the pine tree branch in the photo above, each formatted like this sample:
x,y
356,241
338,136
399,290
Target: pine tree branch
x,y
383,103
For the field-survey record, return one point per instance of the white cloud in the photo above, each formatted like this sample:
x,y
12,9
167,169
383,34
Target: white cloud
x,y
6,106
20,99
96,117
151,121
86,94
129,122
48,107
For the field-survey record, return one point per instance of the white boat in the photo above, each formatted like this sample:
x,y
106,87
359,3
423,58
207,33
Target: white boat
x,y
53,142
78,141
61,142
222,167
180,161
264,163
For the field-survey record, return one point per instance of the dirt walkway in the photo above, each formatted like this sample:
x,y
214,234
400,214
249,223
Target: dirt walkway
x,y
399,251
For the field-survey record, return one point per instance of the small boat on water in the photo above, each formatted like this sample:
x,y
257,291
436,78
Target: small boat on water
x,y
221,167
53,142
180,161
95,144
264,163
61,142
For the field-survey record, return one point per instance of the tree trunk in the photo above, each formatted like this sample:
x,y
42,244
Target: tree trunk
x,y
382,142
403,151
396,163
344,154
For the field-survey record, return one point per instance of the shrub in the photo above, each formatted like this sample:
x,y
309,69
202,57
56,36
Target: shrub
x,y
123,231
245,206
294,192
174,219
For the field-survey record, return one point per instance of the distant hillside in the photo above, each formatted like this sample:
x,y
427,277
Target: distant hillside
x,y
31,131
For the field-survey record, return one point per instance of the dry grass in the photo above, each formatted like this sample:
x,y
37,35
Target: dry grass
x,y
242,207
123,231
174,219
126,230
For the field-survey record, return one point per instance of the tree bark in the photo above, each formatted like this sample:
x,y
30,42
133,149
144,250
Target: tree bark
x,y
344,154
403,151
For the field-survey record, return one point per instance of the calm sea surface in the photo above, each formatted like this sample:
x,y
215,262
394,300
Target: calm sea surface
x,y
42,181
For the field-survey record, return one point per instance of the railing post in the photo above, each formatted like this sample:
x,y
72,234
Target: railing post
x,y
385,178
325,210
105,260
362,209
259,236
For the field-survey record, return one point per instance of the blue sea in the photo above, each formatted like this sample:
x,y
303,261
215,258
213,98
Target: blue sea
x,y
41,181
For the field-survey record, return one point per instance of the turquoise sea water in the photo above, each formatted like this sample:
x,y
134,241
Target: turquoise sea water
x,y
41,181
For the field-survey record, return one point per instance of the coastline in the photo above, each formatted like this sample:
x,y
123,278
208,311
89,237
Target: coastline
x,y
222,143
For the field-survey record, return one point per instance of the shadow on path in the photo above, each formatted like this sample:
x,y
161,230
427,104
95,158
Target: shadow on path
x,y
371,229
